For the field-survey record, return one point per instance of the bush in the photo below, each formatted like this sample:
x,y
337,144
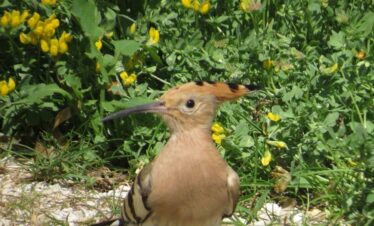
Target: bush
x,y
66,64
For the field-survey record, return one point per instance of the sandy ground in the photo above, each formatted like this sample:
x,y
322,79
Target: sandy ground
x,y
27,202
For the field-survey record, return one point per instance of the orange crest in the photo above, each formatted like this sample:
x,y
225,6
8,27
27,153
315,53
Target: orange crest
x,y
222,91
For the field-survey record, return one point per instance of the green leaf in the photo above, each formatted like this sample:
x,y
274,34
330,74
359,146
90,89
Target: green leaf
x,y
75,83
302,182
88,17
109,62
5,3
241,134
90,155
221,19
370,199
126,47
260,202
331,118
246,141
35,94
296,93
110,19
314,6
170,60
154,55
366,25
337,40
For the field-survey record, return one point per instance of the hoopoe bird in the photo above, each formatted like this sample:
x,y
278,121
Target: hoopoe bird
x,y
188,183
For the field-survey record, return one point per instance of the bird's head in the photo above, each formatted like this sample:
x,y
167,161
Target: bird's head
x,y
191,105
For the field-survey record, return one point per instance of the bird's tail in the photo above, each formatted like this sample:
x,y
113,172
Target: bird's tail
x,y
115,222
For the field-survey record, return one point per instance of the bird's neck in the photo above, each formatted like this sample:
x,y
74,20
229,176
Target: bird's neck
x,y
194,136
195,131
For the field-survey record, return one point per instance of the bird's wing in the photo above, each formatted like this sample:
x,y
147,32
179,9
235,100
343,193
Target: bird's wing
x,y
135,206
233,191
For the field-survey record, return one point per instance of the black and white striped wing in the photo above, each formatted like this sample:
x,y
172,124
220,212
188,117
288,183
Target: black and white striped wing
x,y
135,207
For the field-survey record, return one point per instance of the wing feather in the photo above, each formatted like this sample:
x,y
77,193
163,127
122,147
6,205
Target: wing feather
x,y
135,207
233,189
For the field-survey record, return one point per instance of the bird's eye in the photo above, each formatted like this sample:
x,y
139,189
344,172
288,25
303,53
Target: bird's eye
x,y
190,103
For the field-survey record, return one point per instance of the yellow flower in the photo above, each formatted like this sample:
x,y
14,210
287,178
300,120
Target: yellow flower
x,y
351,163
249,5
38,30
126,79
55,23
130,80
50,18
44,45
54,47
34,38
334,68
66,37
186,4
49,2
16,18
62,46
218,132
154,36
97,67
268,64
99,44
282,65
62,42
266,158
109,34
196,5
123,75
5,19
243,5
11,84
48,30
33,21
24,15
278,144
273,117
217,128
329,70
325,3
48,27
24,38
4,89
218,137
360,55
133,28
205,7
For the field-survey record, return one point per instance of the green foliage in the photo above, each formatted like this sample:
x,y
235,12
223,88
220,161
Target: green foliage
x,y
313,59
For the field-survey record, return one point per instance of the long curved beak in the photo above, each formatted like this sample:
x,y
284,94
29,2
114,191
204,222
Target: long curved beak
x,y
146,108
